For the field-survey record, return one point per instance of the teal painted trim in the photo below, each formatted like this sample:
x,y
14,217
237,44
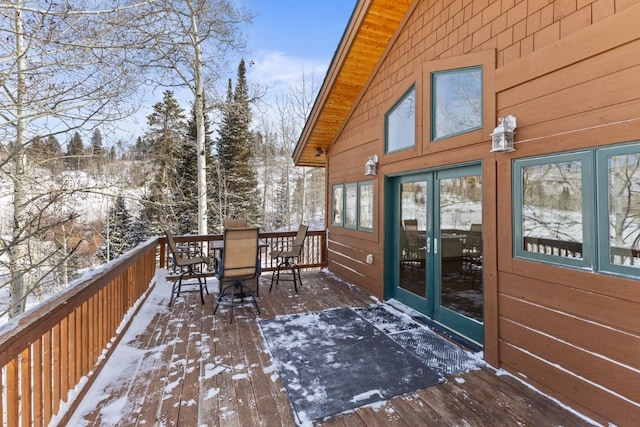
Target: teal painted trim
x,y
603,198
432,102
587,210
412,89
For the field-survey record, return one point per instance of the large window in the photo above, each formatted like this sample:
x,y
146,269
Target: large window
x,y
400,123
580,209
456,102
353,205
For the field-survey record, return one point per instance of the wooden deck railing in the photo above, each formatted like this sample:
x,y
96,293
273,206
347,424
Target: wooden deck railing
x,y
48,352
313,253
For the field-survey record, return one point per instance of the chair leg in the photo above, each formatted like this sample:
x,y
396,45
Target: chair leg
x,y
243,291
276,274
296,273
233,290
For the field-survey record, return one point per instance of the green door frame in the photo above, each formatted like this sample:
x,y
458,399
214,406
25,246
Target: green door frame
x,y
429,306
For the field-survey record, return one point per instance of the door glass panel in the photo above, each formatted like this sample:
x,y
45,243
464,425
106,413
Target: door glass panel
x,y
460,245
412,235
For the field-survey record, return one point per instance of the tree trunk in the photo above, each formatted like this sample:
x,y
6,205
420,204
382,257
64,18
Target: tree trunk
x,y
19,251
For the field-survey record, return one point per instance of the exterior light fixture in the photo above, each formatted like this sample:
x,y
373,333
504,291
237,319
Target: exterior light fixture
x,y
318,152
371,165
503,135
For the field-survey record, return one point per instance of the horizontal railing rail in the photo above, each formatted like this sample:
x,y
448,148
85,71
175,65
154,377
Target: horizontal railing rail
x,y
47,352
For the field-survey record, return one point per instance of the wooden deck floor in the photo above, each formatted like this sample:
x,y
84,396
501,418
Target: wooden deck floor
x,y
180,366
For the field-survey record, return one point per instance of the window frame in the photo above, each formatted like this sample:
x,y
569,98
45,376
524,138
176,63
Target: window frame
x,y
433,104
586,261
394,107
362,184
603,199
349,188
595,209
337,192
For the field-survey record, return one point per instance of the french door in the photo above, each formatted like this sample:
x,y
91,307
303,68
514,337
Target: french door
x,y
435,236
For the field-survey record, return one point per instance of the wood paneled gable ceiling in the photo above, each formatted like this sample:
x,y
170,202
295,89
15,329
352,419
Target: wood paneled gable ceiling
x,y
371,27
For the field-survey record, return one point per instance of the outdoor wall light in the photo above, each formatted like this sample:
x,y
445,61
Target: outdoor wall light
x,y
318,152
502,136
371,165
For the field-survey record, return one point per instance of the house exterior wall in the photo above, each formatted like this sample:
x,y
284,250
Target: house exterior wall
x,y
568,70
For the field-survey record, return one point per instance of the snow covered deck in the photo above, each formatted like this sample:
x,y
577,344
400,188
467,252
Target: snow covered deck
x,y
181,365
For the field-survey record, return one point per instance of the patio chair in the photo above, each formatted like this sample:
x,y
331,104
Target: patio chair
x,y
286,258
238,263
186,263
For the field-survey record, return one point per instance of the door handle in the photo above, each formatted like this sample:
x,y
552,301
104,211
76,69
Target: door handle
x,y
435,246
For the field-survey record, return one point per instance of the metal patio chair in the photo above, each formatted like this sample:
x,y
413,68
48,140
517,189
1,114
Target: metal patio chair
x,y
238,264
286,258
187,263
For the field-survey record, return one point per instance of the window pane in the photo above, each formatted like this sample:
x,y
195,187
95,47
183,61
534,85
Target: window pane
x,y
401,122
338,202
552,221
624,209
457,102
351,205
366,205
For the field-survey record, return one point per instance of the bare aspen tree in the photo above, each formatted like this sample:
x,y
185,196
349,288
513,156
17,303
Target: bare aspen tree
x,y
292,112
189,42
62,66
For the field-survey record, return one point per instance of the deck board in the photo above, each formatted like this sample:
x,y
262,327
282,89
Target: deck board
x,y
196,369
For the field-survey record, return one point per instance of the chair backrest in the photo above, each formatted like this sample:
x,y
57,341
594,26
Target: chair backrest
x,y
240,253
173,248
235,223
298,241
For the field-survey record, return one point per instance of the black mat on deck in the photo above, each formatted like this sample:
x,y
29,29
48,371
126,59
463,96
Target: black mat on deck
x,y
336,360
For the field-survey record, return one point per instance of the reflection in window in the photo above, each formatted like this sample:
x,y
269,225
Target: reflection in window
x,y
623,173
366,205
457,102
552,220
351,206
338,205
400,123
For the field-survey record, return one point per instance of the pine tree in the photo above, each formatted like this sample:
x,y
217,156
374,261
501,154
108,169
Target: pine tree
x,y
118,233
166,138
97,150
75,152
237,183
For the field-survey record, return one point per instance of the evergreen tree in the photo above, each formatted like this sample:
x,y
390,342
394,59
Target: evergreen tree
x,y
97,150
237,182
53,148
75,152
166,138
118,233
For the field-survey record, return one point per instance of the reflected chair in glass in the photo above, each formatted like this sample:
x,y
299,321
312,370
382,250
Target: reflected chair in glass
x,y
238,264
188,262
286,256
472,255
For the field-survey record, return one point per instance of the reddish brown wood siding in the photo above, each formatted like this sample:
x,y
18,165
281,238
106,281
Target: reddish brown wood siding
x,y
568,70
